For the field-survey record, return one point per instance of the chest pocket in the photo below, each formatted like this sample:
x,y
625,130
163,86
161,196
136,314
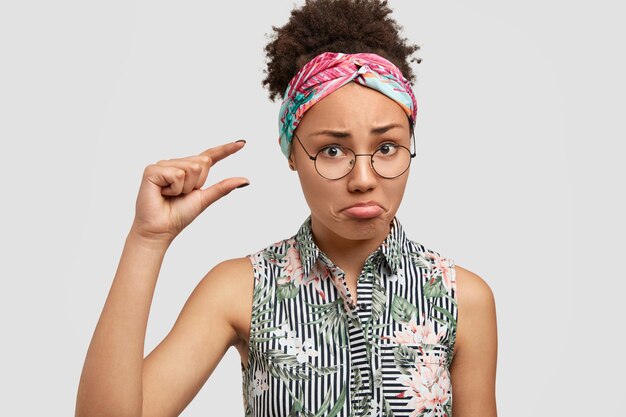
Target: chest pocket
x,y
415,378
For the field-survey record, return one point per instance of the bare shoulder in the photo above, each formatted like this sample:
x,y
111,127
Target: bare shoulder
x,y
473,369
476,308
230,273
231,282
472,290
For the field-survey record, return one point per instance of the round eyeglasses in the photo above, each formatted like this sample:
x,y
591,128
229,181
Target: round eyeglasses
x,y
333,162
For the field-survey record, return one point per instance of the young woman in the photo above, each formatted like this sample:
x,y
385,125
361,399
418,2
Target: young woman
x,y
347,317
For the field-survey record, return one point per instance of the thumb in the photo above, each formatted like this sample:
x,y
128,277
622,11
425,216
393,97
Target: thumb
x,y
218,190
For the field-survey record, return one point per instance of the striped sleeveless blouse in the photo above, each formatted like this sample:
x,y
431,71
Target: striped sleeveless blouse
x,y
314,352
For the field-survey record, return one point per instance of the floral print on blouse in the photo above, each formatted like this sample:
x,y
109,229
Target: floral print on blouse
x,y
313,352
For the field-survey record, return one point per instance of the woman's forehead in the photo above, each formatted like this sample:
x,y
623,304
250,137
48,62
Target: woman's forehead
x,y
351,108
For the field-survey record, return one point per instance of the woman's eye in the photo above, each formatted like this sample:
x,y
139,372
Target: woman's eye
x,y
332,151
387,149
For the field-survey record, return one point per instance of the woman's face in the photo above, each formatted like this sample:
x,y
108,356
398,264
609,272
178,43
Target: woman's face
x,y
349,117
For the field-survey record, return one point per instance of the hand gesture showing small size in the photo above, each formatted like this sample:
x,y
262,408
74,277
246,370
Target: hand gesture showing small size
x,y
170,196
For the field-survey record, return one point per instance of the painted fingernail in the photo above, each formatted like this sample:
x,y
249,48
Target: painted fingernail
x,y
240,140
243,185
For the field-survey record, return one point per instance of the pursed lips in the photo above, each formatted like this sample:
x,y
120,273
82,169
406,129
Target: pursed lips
x,y
364,210
364,204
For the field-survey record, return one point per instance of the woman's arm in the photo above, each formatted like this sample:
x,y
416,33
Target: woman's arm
x,y
213,319
473,369
116,380
111,380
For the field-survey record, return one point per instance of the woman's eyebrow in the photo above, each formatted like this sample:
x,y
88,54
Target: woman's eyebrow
x,y
383,129
343,134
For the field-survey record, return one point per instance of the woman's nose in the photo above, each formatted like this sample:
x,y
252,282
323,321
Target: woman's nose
x,y
362,177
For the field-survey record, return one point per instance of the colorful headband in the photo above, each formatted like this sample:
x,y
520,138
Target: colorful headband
x,y
330,70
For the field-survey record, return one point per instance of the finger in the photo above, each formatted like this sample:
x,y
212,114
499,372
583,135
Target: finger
x,y
220,152
168,178
194,167
220,189
205,162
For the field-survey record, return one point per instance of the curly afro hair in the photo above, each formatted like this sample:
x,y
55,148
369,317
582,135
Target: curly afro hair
x,y
349,26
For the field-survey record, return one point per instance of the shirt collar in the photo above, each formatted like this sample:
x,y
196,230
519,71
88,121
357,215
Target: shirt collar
x,y
395,245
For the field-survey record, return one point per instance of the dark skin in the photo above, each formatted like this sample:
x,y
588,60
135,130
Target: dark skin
x,y
165,382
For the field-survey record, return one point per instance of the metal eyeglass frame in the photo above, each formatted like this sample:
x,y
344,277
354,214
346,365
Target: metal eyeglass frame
x,y
371,155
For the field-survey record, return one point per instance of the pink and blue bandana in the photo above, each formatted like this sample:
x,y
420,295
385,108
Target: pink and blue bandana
x,y
331,70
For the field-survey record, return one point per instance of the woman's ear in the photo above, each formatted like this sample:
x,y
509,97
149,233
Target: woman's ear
x,y
292,164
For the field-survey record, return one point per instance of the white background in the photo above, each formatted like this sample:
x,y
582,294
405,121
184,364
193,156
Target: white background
x,y
520,138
